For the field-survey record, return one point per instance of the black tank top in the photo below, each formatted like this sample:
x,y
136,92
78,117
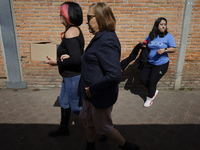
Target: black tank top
x,y
74,47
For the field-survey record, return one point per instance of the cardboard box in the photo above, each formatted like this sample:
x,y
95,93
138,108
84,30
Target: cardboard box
x,y
39,51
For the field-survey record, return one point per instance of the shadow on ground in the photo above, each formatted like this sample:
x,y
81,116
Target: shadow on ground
x,y
172,123
130,77
148,137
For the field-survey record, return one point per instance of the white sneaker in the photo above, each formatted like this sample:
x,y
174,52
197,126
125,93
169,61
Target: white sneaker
x,y
155,94
149,101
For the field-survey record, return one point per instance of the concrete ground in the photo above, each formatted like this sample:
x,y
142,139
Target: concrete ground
x,y
171,123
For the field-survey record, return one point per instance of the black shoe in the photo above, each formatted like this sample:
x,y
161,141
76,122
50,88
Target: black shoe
x,y
59,132
129,146
90,146
63,129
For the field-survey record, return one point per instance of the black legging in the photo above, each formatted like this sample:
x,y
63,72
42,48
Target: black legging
x,y
150,75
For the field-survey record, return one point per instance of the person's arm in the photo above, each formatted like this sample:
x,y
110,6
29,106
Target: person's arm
x,y
109,58
51,61
73,47
65,56
74,53
168,50
171,45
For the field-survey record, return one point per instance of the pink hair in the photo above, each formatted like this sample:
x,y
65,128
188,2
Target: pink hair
x,y
64,12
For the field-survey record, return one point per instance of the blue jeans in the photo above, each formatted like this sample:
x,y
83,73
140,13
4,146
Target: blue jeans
x,y
68,95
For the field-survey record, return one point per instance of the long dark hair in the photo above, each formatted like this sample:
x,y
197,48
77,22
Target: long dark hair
x,y
155,31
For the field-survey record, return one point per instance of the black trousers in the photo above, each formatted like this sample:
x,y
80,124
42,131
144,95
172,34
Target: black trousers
x,y
150,75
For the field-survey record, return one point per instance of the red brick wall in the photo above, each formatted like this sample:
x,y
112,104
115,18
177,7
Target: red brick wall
x,y
38,20
191,70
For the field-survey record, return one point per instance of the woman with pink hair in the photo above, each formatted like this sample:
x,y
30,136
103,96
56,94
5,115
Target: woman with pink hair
x,y
68,60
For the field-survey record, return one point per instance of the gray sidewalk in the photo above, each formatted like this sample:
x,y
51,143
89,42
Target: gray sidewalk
x,y
171,123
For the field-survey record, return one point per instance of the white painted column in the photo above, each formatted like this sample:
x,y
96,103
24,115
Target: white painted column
x,y
10,46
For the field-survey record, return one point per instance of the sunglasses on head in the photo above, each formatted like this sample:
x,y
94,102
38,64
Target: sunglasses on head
x,y
89,17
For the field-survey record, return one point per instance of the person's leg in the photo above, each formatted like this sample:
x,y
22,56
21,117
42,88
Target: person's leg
x,y
86,115
65,114
116,137
90,134
63,98
157,73
144,74
104,126
71,89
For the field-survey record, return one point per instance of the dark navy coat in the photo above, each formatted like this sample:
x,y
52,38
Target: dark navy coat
x,y
143,56
101,70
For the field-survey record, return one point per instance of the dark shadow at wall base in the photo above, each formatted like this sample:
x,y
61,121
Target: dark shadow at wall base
x,y
148,137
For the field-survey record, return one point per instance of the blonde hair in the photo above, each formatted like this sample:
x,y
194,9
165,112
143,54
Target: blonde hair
x,y
104,16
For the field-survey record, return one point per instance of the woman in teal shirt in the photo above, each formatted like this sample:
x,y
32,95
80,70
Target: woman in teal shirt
x,y
160,43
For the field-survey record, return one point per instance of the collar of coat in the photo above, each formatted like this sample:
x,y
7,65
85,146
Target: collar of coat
x,y
97,36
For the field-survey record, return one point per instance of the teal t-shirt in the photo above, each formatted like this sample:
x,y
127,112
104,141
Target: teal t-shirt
x,y
157,43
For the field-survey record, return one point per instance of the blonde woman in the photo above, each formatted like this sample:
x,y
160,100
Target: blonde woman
x,y
100,76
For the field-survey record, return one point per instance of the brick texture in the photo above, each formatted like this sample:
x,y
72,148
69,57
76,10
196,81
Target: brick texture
x,y
191,70
37,21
